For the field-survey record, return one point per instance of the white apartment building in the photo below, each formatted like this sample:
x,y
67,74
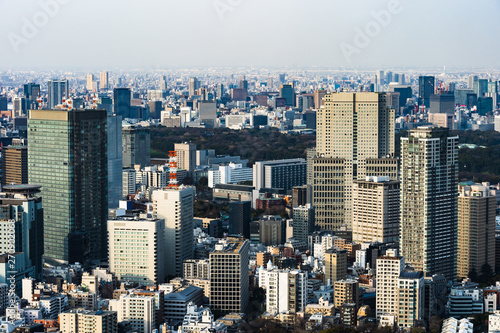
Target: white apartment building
x,y
175,206
232,173
388,270
139,310
286,290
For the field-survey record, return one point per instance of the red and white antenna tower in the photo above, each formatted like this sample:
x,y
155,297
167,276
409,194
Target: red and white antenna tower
x,y
172,164
40,102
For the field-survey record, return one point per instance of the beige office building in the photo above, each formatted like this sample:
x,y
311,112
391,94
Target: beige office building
x,y
335,265
186,156
375,210
355,138
345,291
410,299
82,321
135,250
476,228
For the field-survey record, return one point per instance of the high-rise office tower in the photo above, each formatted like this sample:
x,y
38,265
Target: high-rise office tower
x,y
104,80
121,102
220,90
229,275
23,204
480,87
470,82
380,78
115,160
303,222
18,107
175,206
375,210
3,103
155,108
426,86
194,85
287,92
240,216
57,89
388,270
476,229
429,170
15,165
135,247
355,139
90,82
243,83
335,265
31,92
186,156
68,156
136,146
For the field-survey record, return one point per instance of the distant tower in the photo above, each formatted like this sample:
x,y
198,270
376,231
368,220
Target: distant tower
x,y
57,88
104,80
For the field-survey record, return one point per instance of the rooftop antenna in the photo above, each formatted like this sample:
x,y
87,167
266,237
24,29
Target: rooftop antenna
x,y
172,164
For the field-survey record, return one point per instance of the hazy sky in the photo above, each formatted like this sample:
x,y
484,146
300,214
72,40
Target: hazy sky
x,y
98,34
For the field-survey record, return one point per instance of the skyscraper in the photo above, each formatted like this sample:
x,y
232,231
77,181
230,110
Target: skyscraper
x,y
426,86
104,80
90,82
31,92
194,85
288,93
355,139
115,160
175,206
121,102
429,165
476,229
68,157
57,89
136,146
229,275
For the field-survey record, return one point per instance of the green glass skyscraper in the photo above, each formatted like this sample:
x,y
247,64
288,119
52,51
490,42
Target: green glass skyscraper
x,y
67,155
